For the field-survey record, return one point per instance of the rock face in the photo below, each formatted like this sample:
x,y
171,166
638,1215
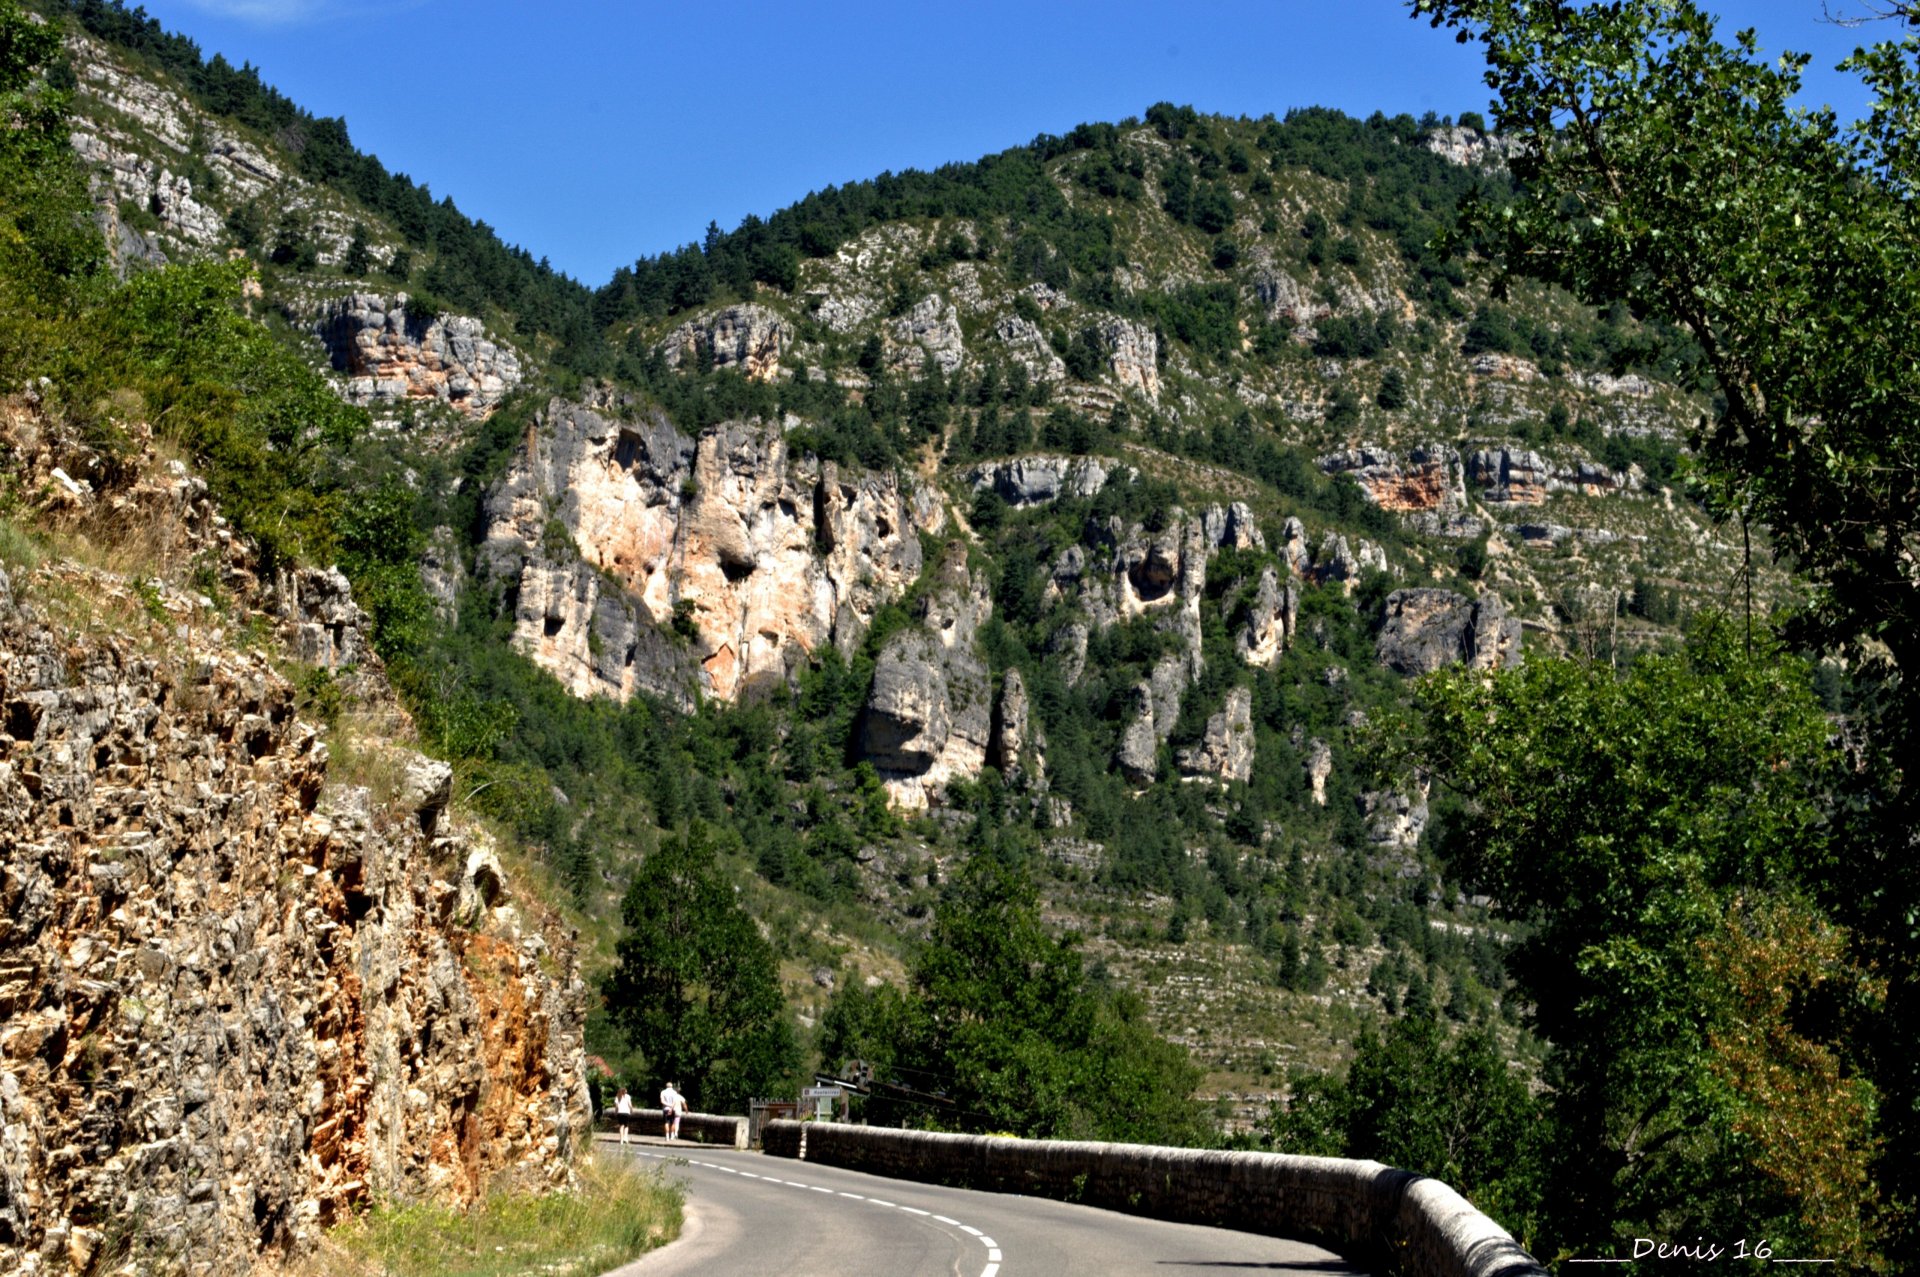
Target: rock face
x,y
931,330
749,338
1026,481
1225,751
1018,747
1133,352
1156,708
1319,766
1520,476
1426,629
1271,620
236,1002
390,356
928,718
1395,819
324,628
1028,347
1427,480
639,559
1338,561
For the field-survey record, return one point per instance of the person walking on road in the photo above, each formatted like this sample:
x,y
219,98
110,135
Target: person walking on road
x,y
672,1105
623,1109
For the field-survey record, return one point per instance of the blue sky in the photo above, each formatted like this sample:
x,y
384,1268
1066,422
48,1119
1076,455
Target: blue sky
x,y
592,131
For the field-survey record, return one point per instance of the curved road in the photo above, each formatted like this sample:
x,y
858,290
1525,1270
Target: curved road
x,y
753,1215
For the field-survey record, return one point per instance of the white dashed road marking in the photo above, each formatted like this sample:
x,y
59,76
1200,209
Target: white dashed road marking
x,y
993,1248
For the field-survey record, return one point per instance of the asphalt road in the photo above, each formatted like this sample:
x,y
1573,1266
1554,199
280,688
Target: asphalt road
x,y
756,1216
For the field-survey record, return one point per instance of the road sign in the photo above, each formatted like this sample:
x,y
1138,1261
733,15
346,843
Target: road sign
x,y
823,1092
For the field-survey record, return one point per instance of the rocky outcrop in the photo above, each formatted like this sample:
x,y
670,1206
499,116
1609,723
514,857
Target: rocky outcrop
x,y
236,1002
929,715
1272,617
1428,479
1520,476
1027,481
1133,353
1029,348
389,355
1225,750
1156,709
1233,528
637,558
1425,629
1018,746
747,337
1338,561
1470,147
1394,818
1286,298
1319,766
324,627
931,330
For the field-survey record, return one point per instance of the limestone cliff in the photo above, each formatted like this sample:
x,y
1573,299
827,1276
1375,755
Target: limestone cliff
x,y
929,714
638,558
236,1000
388,352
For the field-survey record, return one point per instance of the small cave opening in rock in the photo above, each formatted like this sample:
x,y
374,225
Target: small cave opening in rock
x,y
1152,577
735,569
23,719
552,625
626,451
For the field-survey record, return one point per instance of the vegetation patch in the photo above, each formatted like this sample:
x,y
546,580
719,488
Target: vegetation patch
x,y
613,1215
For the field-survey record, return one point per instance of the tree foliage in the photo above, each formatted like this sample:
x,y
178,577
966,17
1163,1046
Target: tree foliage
x,y
1002,1029
1630,821
1658,165
695,989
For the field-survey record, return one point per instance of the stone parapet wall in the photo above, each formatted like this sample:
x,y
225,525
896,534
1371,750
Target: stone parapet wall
x,y
695,1128
1384,1216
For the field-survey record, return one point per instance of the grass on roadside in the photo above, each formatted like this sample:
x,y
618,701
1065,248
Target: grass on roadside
x,y
612,1216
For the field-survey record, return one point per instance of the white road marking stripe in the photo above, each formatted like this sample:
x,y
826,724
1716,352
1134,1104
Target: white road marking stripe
x,y
993,1248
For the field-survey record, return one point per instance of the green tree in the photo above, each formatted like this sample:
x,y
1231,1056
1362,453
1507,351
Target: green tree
x,y
1392,395
1002,1021
1659,165
1625,819
50,252
356,259
695,987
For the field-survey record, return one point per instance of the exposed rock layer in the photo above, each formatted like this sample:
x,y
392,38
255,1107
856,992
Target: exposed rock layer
x,y
1426,629
389,353
637,558
233,1003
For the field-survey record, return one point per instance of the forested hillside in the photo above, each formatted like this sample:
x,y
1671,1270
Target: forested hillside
x,y
1171,632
